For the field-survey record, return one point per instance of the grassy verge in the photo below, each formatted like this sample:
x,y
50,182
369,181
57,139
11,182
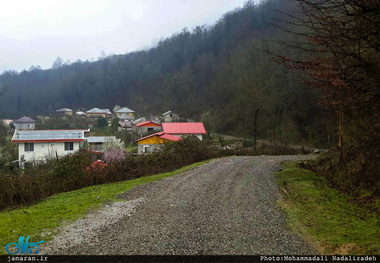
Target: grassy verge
x,y
325,216
40,221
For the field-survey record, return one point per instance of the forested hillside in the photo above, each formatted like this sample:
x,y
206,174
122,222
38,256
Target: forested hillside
x,y
218,74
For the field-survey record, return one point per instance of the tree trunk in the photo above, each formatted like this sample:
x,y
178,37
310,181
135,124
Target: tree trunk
x,y
255,129
340,135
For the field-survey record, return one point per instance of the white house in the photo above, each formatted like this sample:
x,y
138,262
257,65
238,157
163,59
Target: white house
x,y
170,116
39,145
25,123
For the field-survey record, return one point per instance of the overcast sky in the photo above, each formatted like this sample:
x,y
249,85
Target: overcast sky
x,y
36,32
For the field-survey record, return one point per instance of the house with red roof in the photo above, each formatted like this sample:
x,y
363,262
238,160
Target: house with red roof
x,y
154,142
182,129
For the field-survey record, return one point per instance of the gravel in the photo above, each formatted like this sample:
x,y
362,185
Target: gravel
x,y
228,206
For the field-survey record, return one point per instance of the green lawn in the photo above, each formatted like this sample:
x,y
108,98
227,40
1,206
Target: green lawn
x,y
41,220
326,217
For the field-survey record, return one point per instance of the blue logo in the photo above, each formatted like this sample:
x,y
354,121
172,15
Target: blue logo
x,y
22,247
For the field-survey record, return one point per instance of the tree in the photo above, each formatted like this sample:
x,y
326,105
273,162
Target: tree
x,y
57,63
101,122
344,61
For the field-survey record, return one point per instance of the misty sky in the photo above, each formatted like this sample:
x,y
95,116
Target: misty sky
x,y
36,32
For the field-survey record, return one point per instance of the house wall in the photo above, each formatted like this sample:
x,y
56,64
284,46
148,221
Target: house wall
x,y
131,114
25,126
144,129
95,114
44,149
150,148
199,136
171,117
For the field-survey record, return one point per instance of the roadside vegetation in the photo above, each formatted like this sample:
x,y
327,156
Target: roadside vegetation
x,y
83,169
334,222
41,220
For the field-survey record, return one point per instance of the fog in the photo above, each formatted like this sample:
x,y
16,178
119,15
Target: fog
x,y
37,32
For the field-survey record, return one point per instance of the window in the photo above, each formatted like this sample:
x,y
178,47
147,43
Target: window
x,y
69,146
150,129
146,149
29,147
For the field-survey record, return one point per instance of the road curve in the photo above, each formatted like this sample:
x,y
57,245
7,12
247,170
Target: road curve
x,y
228,206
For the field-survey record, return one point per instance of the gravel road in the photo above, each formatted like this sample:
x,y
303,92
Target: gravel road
x,y
228,206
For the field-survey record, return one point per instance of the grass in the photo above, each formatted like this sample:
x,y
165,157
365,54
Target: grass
x,y
40,221
326,217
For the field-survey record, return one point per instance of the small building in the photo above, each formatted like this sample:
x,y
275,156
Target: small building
x,y
183,129
35,146
65,111
7,122
124,126
80,113
96,143
25,123
154,142
125,111
96,112
170,116
148,127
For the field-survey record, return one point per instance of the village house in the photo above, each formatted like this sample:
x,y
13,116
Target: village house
x,y
97,143
124,125
65,111
184,129
36,146
80,114
170,116
25,123
125,111
96,112
148,127
154,142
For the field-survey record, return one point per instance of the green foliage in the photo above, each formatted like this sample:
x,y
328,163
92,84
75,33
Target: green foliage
x,y
326,216
101,122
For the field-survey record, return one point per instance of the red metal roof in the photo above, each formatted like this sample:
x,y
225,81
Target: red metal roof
x,y
162,135
183,128
147,123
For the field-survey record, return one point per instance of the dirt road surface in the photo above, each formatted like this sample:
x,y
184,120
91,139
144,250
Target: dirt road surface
x,y
227,206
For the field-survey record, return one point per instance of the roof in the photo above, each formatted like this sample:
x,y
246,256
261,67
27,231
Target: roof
x,y
100,111
162,135
64,110
48,135
80,113
99,139
25,119
183,128
125,110
166,113
147,122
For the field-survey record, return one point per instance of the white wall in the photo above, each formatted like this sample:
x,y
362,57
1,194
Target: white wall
x,y
199,136
45,149
25,126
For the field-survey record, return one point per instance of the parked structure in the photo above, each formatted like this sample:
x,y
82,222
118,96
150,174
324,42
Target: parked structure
x,y
170,116
65,111
125,111
182,129
96,112
36,146
148,127
25,123
154,142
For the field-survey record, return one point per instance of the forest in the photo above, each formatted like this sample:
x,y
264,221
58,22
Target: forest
x,y
219,74
301,71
